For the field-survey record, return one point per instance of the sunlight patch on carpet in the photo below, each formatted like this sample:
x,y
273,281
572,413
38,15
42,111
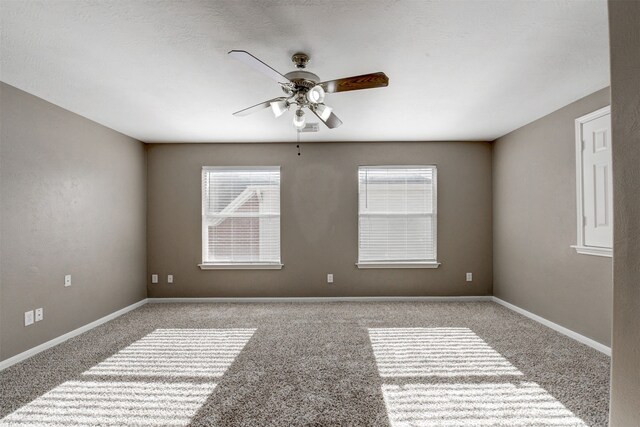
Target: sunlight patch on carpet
x,y
445,352
451,377
82,403
177,353
486,404
176,362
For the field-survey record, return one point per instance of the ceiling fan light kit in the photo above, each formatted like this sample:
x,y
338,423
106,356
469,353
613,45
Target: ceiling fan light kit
x,y
299,119
315,95
279,107
305,90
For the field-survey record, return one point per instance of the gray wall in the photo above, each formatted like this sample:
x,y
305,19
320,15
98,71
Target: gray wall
x,y
624,30
319,207
72,202
534,221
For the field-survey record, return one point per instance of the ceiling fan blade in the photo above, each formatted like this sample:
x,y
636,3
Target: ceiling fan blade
x,y
365,81
257,107
332,121
258,65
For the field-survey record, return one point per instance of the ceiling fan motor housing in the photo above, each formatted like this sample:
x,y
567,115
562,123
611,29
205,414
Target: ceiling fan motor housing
x,y
303,78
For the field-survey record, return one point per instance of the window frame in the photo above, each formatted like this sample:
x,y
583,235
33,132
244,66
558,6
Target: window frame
x,y
404,264
204,265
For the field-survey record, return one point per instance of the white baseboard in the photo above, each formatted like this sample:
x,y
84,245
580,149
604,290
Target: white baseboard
x,y
571,334
35,350
319,299
565,331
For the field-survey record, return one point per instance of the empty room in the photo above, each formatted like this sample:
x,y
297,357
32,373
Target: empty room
x,y
384,213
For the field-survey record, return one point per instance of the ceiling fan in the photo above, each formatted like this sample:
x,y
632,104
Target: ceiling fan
x,y
304,90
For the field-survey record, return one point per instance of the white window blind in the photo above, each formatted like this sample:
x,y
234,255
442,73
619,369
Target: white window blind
x,y
397,214
241,215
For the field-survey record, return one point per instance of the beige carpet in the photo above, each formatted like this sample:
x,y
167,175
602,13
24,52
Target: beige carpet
x,y
308,364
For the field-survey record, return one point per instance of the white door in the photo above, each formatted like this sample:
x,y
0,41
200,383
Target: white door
x,y
597,182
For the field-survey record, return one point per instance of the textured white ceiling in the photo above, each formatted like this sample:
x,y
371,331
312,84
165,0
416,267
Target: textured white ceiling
x,y
159,71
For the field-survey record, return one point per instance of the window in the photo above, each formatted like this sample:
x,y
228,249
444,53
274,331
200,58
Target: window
x,y
397,217
594,182
240,217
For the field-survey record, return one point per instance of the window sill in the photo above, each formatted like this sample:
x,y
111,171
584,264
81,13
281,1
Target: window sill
x,y
240,266
591,250
398,264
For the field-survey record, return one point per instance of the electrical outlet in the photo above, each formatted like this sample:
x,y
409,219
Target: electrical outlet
x,y
330,278
154,278
469,277
170,278
39,314
28,318
67,280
